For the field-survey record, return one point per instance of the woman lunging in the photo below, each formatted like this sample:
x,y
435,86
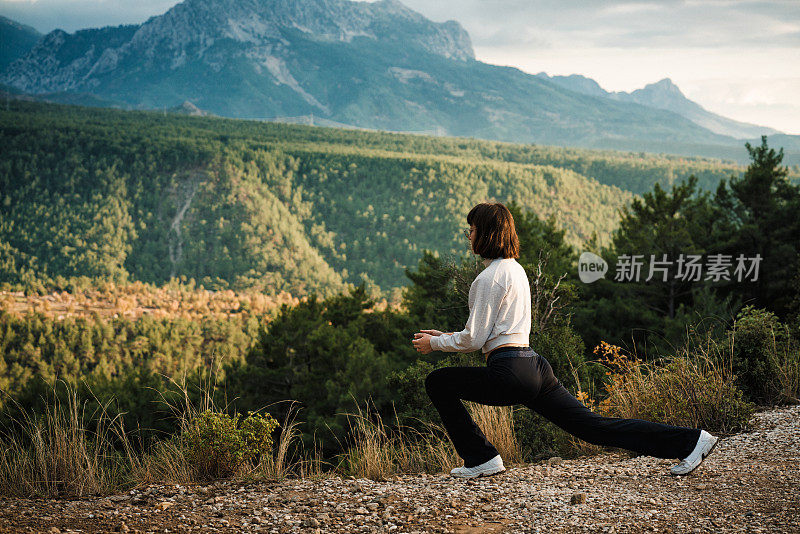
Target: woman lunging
x,y
499,324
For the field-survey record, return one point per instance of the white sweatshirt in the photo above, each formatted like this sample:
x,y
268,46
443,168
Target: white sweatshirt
x,y
499,311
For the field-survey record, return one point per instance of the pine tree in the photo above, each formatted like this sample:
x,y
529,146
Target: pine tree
x,y
766,224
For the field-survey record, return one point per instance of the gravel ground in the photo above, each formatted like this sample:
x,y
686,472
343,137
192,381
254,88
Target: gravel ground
x,y
750,483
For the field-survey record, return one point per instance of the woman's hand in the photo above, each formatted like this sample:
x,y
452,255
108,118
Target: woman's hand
x,y
422,342
432,332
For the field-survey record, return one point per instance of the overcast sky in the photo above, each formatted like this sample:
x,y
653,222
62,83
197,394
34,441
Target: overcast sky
x,y
737,58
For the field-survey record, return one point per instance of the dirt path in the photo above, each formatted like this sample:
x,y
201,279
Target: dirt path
x,y
751,483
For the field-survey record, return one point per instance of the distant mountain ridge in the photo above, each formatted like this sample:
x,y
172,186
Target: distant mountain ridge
x,y
664,94
15,40
374,65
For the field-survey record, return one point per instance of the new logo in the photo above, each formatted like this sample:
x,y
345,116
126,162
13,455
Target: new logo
x,y
591,267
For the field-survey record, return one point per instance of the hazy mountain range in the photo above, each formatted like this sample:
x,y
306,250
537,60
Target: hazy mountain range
x,y
370,65
665,95
16,40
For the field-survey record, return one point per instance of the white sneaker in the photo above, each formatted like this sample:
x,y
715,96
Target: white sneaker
x,y
705,444
492,467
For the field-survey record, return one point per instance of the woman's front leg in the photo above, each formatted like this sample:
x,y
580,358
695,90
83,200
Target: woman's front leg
x,y
447,387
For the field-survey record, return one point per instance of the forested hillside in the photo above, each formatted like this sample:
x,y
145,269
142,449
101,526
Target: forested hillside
x,y
97,199
242,204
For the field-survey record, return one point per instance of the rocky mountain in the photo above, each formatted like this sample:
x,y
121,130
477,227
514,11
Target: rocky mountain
x,y
368,65
216,33
665,94
16,40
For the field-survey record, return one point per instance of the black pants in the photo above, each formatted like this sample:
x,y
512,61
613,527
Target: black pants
x,y
520,376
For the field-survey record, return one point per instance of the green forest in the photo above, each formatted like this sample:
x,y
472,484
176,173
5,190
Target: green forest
x,y
342,217
242,204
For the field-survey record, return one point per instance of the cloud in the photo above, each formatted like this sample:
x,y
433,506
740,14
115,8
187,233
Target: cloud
x,y
586,23
530,23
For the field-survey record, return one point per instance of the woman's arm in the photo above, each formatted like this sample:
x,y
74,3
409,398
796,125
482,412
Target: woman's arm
x,y
488,295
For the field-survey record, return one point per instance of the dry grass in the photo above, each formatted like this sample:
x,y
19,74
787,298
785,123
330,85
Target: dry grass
x,y
373,449
165,463
288,458
56,455
786,359
378,452
789,376
497,423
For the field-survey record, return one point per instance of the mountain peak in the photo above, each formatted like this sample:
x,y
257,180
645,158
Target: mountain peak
x,y
329,20
662,87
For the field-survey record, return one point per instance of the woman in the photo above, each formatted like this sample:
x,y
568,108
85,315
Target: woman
x,y
499,324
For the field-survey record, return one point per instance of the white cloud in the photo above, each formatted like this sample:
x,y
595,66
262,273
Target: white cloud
x,y
766,100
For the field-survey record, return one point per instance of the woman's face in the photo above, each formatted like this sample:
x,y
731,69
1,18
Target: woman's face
x,y
471,235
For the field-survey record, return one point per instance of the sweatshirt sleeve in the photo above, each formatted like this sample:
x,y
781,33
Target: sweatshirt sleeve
x,y
487,298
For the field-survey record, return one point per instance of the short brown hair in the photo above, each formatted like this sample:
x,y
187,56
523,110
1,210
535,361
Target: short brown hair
x,y
495,233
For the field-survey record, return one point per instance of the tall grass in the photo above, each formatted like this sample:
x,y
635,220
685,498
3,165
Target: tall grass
x,y
376,451
67,452
786,361
56,454
497,424
288,457
164,463
789,377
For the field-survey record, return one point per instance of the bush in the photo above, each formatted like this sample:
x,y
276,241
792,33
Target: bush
x,y
765,357
539,439
563,348
219,445
695,390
